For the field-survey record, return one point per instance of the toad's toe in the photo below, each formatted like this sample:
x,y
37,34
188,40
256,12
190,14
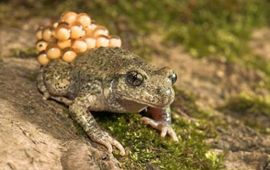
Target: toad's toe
x,y
109,142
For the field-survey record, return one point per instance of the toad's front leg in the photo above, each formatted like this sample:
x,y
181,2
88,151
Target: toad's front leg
x,y
161,121
79,111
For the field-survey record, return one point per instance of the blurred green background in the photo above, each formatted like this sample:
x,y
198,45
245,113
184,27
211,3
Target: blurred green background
x,y
205,27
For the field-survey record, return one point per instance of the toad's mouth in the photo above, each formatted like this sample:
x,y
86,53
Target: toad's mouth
x,y
156,112
134,106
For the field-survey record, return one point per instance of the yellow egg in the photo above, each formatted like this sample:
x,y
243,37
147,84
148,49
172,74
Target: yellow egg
x,y
41,45
100,30
83,19
62,32
69,55
115,42
64,44
77,32
53,52
72,34
43,59
39,34
91,42
102,41
79,46
47,34
55,24
69,17
90,29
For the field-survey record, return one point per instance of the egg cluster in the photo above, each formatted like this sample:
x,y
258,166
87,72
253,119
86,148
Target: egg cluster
x,y
71,35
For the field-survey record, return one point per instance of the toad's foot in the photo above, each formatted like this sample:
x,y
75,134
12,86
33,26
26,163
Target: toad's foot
x,y
105,139
165,128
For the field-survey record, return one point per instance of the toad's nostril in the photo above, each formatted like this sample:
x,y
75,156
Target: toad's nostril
x,y
163,91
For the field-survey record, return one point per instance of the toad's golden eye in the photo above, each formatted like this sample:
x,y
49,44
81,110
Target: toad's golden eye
x,y
134,78
173,78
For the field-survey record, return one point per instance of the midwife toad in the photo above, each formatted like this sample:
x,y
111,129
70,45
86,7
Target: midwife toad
x,y
110,79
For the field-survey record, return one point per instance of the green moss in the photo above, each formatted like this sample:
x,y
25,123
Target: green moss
x,y
221,28
24,53
249,104
262,64
147,149
252,110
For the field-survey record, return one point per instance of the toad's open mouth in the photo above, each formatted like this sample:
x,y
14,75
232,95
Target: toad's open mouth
x,y
134,106
157,112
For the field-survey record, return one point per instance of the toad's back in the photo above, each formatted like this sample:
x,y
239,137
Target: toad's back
x,y
106,61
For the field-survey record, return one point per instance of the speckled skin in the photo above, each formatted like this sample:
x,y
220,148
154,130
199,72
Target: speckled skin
x,y
97,81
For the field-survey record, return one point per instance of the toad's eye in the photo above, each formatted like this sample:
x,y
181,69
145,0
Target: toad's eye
x,y
173,78
134,78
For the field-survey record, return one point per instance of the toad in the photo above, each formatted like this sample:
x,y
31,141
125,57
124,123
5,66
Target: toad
x,y
114,80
